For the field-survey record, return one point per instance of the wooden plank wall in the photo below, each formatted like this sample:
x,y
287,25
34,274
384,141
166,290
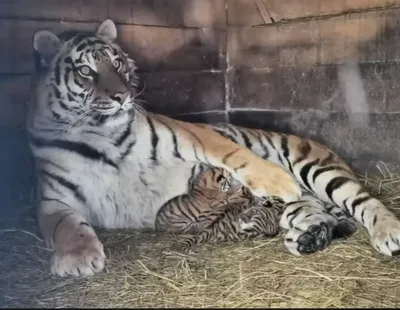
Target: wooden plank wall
x,y
260,63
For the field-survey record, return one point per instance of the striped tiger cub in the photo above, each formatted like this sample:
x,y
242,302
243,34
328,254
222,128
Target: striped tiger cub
x,y
212,188
102,160
236,221
232,213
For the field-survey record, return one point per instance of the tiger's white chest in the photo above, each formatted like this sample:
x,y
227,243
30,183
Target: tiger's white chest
x,y
131,197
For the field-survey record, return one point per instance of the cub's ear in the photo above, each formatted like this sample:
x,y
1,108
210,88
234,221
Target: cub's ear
x,y
47,44
107,30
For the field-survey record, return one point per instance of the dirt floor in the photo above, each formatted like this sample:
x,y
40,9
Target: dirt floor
x,y
250,274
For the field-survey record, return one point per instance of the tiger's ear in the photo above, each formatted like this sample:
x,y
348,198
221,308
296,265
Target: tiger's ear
x,y
107,30
47,44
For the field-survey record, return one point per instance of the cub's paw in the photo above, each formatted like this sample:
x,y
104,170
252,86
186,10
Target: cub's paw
x,y
84,259
182,246
385,237
314,238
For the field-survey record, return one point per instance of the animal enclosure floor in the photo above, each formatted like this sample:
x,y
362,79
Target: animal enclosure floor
x,y
250,274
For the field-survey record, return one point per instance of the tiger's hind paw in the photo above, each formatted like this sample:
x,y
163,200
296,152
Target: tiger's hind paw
x,y
344,229
386,236
315,238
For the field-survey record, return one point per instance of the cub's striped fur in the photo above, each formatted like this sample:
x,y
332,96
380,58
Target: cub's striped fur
x,y
212,188
236,221
102,160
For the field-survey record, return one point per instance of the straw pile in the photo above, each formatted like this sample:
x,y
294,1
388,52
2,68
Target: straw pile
x,y
250,274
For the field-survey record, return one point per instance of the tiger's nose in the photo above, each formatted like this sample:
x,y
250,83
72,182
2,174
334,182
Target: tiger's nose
x,y
120,97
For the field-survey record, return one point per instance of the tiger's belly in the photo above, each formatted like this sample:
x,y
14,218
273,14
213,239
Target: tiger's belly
x,y
132,198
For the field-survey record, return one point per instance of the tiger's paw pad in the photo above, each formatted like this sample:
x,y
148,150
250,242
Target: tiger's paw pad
x,y
315,238
344,229
386,237
81,261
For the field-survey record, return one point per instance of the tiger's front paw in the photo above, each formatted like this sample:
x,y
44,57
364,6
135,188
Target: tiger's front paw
x,y
84,258
276,182
385,237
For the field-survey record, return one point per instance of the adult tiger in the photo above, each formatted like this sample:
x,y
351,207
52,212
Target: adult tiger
x,y
102,160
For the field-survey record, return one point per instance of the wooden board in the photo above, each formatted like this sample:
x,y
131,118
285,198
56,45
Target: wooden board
x,y
318,88
154,48
360,37
247,13
175,13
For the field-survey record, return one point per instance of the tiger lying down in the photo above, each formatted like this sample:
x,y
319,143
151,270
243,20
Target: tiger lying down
x,y
219,209
102,160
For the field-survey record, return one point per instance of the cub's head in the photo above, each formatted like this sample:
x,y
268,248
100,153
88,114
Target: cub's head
x,y
258,222
84,75
214,178
262,218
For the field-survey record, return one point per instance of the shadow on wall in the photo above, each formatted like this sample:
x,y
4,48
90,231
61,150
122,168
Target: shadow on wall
x,y
311,102
185,75
181,12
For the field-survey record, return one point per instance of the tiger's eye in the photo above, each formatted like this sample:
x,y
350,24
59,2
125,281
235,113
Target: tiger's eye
x,y
85,70
220,178
117,64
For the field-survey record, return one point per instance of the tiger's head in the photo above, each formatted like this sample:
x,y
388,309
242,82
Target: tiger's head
x,y
84,76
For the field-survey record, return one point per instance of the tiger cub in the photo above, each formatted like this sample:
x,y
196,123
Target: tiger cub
x,y
212,188
218,209
236,221
260,218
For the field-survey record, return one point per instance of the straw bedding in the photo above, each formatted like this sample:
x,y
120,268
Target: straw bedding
x,y
249,274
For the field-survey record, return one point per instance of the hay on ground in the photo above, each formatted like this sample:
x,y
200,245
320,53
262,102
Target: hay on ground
x,y
249,274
